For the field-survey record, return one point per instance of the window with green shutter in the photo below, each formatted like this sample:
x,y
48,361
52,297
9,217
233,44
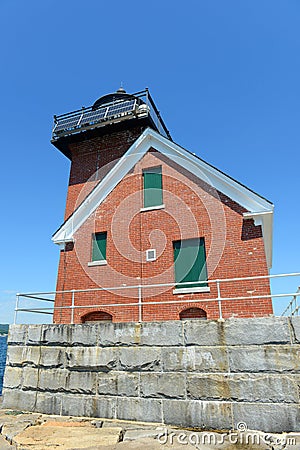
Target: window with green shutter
x,y
99,246
190,263
152,184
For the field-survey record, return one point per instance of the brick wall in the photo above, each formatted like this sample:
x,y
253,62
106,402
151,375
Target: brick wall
x,y
193,208
92,159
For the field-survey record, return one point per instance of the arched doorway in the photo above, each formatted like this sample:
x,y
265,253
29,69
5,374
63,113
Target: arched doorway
x,y
97,316
193,313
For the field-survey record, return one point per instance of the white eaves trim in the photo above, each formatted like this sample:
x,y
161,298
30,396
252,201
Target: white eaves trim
x,y
253,203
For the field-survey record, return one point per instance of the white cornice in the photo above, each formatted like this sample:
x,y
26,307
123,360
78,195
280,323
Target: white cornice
x,y
252,202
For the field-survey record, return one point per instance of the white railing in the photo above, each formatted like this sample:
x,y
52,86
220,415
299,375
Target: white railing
x,y
87,118
292,308
140,290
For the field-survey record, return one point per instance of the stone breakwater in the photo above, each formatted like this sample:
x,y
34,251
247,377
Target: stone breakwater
x,y
204,374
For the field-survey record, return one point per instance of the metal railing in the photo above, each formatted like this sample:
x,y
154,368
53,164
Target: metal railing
x,y
140,290
76,121
292,308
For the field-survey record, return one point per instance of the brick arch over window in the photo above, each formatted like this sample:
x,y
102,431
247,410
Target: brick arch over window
x,y
96,316
193,313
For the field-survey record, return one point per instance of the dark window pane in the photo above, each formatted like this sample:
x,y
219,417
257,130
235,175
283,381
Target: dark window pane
x,y
190,262
99,247
152,179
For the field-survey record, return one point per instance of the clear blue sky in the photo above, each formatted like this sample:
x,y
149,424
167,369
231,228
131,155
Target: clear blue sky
x,y
224,74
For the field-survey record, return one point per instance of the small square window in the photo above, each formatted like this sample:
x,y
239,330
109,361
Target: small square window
x,y
151,254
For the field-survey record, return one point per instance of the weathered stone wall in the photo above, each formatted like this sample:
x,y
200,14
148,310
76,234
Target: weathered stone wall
x,y
205,374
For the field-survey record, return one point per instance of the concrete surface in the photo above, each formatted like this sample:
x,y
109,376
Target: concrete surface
x,y
41,432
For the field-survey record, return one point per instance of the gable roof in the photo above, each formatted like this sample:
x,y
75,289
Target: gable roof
x,y
258,208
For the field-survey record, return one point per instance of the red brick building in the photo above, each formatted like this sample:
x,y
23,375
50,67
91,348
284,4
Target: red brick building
x,y
150,227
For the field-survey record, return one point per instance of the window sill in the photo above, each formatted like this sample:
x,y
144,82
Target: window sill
x,y
102,262
192,290
150,208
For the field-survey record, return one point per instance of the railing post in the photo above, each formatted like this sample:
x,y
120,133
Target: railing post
x,y
140,304
16,309
219,299
72,307
293,306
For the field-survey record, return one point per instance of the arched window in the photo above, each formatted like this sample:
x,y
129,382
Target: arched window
x,y
97,316
193,313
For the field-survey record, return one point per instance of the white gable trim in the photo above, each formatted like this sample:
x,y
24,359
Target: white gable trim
x,y
253,203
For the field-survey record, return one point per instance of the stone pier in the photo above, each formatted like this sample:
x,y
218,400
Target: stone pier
x,y
205,374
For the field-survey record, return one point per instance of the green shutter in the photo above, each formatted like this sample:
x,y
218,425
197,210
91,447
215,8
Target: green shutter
x,y
152,179
99,247
190,262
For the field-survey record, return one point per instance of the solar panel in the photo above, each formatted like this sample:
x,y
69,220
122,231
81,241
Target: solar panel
x,y
67,123
93,116
120,108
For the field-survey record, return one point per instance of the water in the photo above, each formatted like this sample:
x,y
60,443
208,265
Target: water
x,y
3,347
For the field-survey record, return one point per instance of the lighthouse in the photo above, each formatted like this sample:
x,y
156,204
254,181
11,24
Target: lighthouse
x,y
151,231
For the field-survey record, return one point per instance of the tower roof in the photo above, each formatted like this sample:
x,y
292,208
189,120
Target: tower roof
x,y
119,95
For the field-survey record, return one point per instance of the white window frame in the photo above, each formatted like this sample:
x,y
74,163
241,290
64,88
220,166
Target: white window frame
x,y
148,252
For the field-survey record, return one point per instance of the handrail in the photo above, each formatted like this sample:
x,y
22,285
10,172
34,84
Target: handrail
x,y
40,296
294,311
221,280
